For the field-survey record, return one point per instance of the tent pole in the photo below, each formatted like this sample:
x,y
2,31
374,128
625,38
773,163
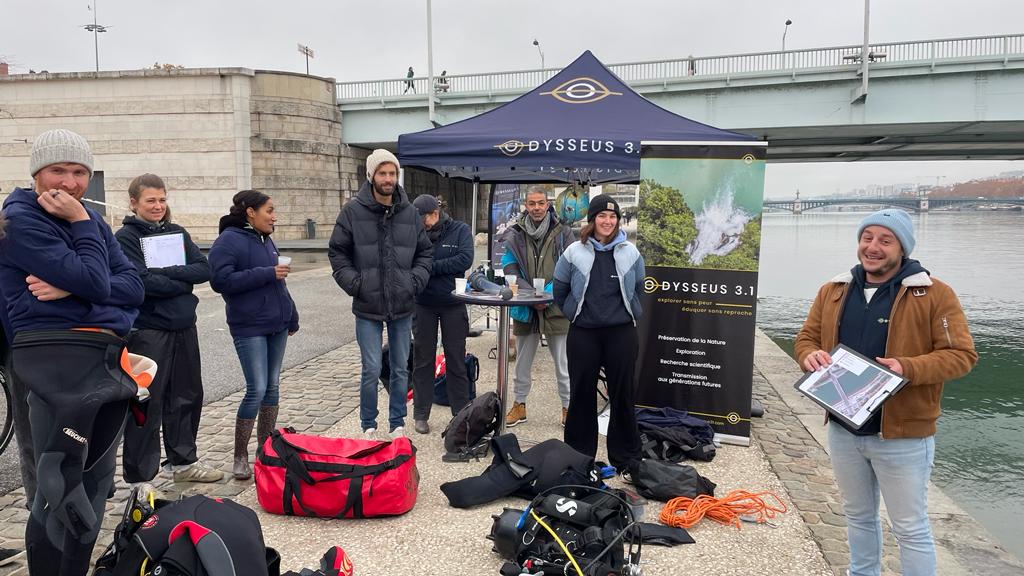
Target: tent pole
x,y
473,217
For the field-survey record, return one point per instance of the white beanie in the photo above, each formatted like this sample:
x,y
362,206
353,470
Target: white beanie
x,y
378,157
57,146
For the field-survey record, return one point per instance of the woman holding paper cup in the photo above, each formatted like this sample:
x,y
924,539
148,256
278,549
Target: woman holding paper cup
x,y
170,265
597,285
250,274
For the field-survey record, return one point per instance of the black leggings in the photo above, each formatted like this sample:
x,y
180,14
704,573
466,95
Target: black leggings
x,y
587,350
78,399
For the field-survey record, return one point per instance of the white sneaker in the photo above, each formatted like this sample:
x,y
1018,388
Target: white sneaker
x,y
198,472
370,433
398,432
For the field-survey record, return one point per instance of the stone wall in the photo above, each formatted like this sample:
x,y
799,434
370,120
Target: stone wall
x,y
183,125
297,151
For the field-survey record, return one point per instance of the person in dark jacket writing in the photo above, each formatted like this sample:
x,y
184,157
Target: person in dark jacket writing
x,y
71,298
381,257
166,332
453,255
261,315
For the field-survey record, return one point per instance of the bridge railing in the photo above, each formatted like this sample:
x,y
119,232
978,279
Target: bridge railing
x,y
697,67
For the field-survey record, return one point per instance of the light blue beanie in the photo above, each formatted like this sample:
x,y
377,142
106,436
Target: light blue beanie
x,y
896,220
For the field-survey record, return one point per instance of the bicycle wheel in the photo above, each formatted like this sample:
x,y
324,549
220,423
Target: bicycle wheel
x,y
6,412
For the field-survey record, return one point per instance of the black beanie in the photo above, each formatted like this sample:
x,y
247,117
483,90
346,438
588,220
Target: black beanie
x,y
600,203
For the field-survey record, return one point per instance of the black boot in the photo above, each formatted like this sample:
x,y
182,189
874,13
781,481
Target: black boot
x,y
265,424
243,431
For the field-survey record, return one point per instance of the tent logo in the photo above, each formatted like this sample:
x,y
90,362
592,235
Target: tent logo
x,y
511,147
581,90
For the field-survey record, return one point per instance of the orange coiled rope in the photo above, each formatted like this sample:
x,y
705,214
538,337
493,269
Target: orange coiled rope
x,y
737,505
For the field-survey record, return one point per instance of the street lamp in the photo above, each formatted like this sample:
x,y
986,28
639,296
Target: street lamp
x,y
537,44
784,31
95,29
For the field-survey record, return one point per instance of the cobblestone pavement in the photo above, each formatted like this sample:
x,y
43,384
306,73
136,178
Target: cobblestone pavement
x,y
318,395
804,468
315,395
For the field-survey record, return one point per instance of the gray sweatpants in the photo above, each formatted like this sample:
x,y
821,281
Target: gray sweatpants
x,y
526,351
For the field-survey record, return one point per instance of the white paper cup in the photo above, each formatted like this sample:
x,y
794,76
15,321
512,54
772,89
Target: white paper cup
x,y
538,285
284,261
460,285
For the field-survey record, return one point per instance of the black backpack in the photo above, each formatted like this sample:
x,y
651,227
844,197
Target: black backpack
x,y
441,382
467,431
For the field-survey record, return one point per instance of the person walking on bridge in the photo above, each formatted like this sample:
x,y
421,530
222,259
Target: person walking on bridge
x,y
890,309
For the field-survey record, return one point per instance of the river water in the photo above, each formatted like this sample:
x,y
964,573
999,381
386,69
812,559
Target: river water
x,y
979,459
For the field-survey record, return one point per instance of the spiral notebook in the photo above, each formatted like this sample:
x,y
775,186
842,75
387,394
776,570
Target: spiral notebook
x,y
163,250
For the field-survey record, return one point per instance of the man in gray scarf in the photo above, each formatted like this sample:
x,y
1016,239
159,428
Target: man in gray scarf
x,y
532,247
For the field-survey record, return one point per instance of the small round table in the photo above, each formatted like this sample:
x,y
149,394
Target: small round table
x,y
524,298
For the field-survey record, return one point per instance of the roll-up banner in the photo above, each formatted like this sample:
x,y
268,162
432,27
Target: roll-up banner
x,y
506,205
699,230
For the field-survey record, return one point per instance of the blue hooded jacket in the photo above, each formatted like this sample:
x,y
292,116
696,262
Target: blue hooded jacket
x,y
82,258
243,260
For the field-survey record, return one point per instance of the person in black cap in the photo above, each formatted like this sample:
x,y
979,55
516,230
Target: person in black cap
x,y
597,284
435,305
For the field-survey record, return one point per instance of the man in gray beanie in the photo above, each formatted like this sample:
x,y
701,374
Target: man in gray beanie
x,y
381,257
888,308
69,294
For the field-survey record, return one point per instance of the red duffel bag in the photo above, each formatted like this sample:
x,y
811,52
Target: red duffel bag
x,y
303,475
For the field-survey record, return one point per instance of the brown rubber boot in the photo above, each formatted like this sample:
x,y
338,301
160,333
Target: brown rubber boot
x,y
243,431
265,423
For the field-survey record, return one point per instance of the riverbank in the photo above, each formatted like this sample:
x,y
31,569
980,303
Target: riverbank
x,y
963,546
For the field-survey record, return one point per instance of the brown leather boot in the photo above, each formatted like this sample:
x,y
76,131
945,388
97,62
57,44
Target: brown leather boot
x,y
265,423
243,431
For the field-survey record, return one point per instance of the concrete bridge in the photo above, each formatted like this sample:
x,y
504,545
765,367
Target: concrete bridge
x,y
944,99
911,204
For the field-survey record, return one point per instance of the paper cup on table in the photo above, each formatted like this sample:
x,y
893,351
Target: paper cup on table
x,y
510,280
460,285
538,285
284,261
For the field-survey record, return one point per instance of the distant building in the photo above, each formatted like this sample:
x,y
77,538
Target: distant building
x,y
207,132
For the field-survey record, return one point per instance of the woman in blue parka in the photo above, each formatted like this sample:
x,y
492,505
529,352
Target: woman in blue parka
x,y
260,312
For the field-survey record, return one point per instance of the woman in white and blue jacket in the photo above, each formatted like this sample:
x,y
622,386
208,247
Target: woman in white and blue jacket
x,y
597,285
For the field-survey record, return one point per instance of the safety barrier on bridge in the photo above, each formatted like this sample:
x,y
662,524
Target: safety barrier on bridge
x,y
928,51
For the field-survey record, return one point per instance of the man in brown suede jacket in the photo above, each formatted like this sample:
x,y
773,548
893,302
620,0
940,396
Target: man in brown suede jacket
x,y
890,309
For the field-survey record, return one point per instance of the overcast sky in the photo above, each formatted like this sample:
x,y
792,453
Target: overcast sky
x,y
372,39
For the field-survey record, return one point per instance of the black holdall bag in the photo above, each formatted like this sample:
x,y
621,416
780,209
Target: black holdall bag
x,y
660,480
468,429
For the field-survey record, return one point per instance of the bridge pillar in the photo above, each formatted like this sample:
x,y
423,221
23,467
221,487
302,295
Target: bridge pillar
x,y
797,207
922,205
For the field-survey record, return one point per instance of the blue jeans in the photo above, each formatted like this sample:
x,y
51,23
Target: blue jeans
x,y
261,358
898,469
368,335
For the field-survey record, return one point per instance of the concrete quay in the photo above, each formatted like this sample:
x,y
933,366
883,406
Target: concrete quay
x,y
320,396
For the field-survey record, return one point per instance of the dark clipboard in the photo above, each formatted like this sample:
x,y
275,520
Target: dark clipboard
x,y
853,388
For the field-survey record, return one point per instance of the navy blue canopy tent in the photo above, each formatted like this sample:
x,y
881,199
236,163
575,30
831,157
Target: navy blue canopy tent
x,y
583,125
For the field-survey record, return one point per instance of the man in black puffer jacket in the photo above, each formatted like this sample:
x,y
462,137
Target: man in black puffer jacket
x,y
453,255
381,257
